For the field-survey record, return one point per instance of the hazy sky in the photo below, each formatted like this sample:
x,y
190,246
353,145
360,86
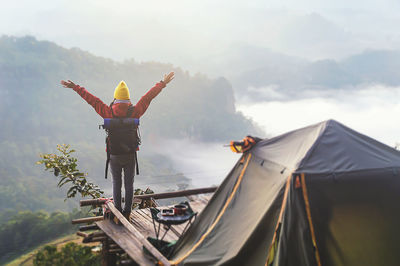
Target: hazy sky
x,y
183,32
189,33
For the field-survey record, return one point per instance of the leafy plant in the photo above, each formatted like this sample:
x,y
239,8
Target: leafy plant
x,y
71,254
144,203
64,165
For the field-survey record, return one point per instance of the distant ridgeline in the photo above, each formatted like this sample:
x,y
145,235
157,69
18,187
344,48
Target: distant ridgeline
x,y
37,113
292,75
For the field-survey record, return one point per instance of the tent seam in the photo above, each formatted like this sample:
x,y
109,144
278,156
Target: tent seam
x,y
312,231
314,146
283,207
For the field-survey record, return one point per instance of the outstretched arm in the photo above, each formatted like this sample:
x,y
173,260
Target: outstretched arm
x,y
144,102
101,108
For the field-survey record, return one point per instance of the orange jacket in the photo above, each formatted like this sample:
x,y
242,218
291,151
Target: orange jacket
x,y
120,109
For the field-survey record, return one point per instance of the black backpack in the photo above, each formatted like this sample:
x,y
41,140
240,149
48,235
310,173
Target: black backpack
x,y
123,136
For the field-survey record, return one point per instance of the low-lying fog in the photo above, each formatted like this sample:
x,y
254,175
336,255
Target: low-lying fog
x,y
206,164
372,110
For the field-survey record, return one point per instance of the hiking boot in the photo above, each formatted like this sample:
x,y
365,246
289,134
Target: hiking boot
x,y
114,219
127,215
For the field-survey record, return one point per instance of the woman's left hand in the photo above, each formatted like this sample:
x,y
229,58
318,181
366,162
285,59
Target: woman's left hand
x,y
168,78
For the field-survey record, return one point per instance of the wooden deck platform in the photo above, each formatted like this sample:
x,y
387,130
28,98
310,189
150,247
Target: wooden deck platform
x,y
130,237
142,221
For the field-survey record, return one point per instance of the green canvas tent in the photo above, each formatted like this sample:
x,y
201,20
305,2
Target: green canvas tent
x,y
320,195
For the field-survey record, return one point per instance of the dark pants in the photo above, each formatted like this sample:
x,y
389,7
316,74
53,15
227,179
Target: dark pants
x,y
118,163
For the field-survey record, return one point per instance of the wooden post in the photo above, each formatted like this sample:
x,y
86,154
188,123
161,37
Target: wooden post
x,y
104,253
107,259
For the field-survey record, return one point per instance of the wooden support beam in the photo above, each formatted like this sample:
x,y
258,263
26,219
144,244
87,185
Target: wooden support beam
x,y
87,220
94,239
82,234
116,250
95,202
96,234
176,194
99,238
145,243
114,246
88,227
126,262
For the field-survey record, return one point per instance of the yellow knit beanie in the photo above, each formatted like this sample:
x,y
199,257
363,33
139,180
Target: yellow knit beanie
x,y
121,92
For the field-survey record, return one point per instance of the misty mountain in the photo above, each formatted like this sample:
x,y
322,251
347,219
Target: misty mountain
x,y
316,37
241,58
37,113
369,67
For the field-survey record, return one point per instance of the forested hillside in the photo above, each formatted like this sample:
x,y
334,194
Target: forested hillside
x,y
37,113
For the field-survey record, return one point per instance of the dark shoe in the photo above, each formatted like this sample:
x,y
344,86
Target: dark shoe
x,y
114,219
127,215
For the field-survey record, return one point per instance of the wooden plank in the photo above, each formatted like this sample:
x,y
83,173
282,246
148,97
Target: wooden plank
x,y
126,241
137,235
138,223
176,194
87,220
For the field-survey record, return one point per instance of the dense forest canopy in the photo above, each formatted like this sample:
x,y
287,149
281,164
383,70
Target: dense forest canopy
x,y
37,113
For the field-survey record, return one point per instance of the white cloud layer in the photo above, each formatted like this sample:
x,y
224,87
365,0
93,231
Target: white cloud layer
x,y
373,110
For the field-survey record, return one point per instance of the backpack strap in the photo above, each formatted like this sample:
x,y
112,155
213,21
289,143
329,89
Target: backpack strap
x,y
111,105
131,108
108,158
107,164
136,164
129,114
107,145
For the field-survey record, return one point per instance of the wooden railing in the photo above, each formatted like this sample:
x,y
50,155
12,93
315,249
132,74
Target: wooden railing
x,y
164,195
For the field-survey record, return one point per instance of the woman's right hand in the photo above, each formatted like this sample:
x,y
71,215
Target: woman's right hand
x,y
67,84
